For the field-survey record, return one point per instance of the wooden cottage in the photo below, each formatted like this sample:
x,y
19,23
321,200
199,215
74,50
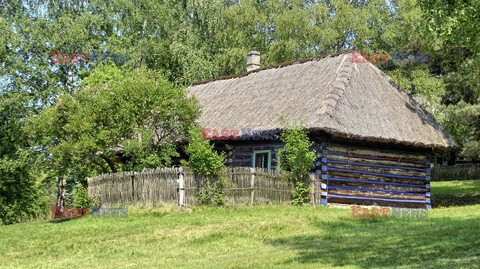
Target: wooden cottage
x,y
374,142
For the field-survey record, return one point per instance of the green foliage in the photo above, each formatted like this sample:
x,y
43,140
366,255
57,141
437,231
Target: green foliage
x,y
298,159
204,160
219,197
204,195
121,120
451,119
452,28
462,122
425,87
77,135
80,197
21,195
210,191
301,194
453,23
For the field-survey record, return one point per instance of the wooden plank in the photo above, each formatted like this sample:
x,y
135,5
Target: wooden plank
x,y
375,182
367,189
369,161
375,194
376,198
375,165
343,174
242,153
243,160
346,201
253,145
376,152
373,157
331,168
421,188
379,170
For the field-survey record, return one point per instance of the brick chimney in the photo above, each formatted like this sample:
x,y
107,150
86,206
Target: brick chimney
x,y
253,60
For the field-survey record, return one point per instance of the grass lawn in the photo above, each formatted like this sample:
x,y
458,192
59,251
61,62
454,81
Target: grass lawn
x,y
455,193
249,237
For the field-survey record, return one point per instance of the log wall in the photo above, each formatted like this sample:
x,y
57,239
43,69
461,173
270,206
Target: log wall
x,y
242,154
368,176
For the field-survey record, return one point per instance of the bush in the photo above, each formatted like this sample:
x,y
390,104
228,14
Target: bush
x,y
300,196
298,159
20,194
204,160
219,197
81,198
204,194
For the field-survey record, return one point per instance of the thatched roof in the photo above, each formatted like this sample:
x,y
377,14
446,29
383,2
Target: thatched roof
x,y
330,94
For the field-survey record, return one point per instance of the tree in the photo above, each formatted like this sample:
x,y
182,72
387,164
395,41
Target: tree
x,y
20,195
119,121
417,81
462,121
452,28
298,159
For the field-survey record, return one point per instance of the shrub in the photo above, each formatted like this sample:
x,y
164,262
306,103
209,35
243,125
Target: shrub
x,y
204,160
298,159
81,198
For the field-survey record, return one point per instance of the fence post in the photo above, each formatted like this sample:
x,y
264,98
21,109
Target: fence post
x,y
313,197
133,186
89,186
181,187
252,185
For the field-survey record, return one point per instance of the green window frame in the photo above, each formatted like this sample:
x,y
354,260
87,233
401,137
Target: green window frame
x,y
269,162
278,157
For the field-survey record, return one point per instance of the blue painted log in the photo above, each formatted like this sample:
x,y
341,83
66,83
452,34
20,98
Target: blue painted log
x,y
370,157
242,153
427,170
372,190
375,182
253,145
242,160
375,173
376,199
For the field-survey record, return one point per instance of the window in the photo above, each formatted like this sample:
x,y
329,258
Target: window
x,y
279,159
262,159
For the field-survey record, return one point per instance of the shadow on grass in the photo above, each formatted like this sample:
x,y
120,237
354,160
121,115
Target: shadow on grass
x,y
393,243
60,220
456,193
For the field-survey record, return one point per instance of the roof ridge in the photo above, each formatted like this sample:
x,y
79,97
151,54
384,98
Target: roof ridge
x,y
273,66
342,79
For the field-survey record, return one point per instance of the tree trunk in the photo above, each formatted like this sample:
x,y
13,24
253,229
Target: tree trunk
x,y
62,188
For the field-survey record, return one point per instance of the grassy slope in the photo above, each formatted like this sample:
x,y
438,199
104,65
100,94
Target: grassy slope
x,y
253,237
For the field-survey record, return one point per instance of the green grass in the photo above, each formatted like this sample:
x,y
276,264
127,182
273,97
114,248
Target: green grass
x,y
455,193
248,237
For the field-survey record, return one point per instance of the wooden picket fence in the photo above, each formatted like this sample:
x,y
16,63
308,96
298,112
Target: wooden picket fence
x,y
179,186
